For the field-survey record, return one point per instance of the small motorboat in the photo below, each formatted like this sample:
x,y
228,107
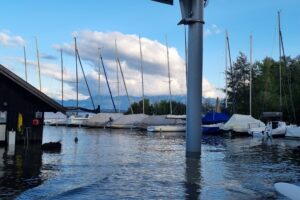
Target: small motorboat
x,y
272,129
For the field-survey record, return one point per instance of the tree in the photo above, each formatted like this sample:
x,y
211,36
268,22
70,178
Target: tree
x,y
238,78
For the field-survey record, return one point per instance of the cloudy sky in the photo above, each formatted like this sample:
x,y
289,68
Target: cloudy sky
x,y
115,28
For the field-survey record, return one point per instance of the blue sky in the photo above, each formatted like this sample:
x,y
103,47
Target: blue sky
x,y
54,23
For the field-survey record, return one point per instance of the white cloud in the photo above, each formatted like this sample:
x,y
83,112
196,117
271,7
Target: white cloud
x,y
154,63
212,30
8,40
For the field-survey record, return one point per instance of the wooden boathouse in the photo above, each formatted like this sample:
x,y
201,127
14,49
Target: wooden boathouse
x,y
22,108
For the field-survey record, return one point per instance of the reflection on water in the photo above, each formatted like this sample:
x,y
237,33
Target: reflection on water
x,y
19,171
124,164
192,178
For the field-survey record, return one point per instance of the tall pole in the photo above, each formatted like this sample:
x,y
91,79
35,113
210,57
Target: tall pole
x,y
117,67
25,62
168,62
280,83
99,76
76,65
250,95
226,64
38,63
62,77
186,59
186,54
142,74
194,90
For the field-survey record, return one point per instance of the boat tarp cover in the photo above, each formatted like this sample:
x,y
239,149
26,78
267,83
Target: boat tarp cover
x,y
241,123
215,117
101,119
131,119
156,120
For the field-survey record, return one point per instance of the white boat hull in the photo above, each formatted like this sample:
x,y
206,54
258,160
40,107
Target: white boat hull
x,y
166,128
293,131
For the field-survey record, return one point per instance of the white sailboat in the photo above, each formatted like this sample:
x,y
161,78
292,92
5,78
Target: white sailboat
x,y
172,127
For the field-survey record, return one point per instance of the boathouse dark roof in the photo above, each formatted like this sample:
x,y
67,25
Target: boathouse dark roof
x,y
30,89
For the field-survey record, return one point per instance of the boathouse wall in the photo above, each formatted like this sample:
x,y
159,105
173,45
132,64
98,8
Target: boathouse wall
x,y
19,97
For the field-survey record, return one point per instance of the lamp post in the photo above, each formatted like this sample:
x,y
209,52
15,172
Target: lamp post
x,y
192,15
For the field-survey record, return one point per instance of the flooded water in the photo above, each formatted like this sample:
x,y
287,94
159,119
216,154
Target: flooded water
x,y
124,164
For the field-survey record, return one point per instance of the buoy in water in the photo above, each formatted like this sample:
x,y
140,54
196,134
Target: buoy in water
x,y
76,139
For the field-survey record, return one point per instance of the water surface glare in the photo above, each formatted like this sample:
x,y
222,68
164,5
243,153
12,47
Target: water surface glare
x,y
124,164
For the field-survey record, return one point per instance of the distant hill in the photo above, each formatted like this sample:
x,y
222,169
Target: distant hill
x,y
106,104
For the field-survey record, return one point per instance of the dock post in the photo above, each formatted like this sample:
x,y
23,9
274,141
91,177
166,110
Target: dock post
x,y
194,20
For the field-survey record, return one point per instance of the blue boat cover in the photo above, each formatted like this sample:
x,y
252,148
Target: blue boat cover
x,y
213,117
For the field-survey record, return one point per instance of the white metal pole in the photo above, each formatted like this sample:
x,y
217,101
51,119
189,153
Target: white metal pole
x,y
226,64
25,62
38,63
280,83
250,95
117,67
169,75
142,74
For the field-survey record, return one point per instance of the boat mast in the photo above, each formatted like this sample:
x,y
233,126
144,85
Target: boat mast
x,y
118,82
38,62
168,62
226,57
250,95
62,77
142,74
76,65
280,83
99,80
25,62
231,72
186,63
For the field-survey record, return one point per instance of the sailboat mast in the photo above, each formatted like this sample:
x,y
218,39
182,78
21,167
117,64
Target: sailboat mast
x,y
25,63
38,62
168,62
231,72
62,77
280,81
226,64
99,76
118,82
142,74
250,95
76,65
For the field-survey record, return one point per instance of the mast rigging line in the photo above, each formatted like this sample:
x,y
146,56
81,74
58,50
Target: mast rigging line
x,y
85,78
62,77
118,61
112,100
288,77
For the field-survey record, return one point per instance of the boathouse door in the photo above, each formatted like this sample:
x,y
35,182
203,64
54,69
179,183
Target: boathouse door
x,y
3,120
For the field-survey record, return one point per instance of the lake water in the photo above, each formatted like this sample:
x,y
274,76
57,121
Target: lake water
x,y
124,164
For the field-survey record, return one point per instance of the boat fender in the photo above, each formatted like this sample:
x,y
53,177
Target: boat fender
x,y
35,122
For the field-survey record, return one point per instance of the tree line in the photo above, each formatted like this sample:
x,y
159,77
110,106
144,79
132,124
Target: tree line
x,y
265,87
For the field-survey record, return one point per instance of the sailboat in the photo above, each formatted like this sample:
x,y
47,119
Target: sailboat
x,y
214,120
277,127
77,120
238,123
179,124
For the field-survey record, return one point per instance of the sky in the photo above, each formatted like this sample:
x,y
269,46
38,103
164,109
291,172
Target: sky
x,y
114,27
